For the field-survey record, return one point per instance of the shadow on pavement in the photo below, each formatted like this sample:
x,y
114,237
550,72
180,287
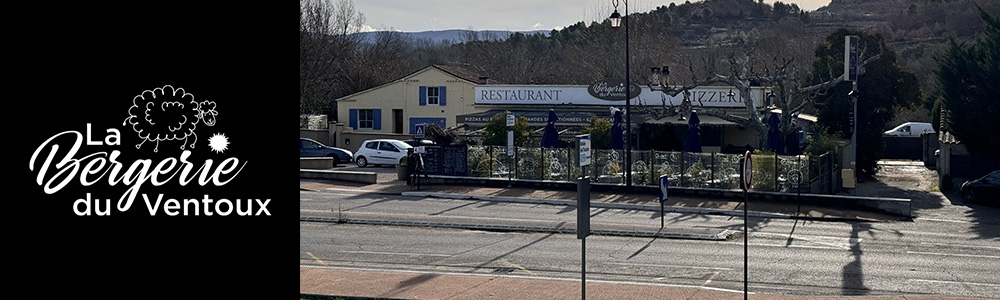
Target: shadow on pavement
x,y
411,283
853,282
986,218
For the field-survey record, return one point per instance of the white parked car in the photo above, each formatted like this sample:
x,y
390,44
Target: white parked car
x,y
910,129
380,152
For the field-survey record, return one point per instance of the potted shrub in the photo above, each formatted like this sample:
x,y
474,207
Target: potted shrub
x,y
401,171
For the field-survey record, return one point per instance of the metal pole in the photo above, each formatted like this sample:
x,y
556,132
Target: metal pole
x,y
583,226
652,159
628,111
683,170
661,214
712,181
510,168
583,268
747,176
854,136
569,166
798,185
776,172
746,238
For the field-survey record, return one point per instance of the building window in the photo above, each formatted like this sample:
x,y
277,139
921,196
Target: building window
x,y
433,95
366,118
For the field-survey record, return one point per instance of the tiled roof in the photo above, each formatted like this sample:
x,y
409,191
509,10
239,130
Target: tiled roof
x,y
463,73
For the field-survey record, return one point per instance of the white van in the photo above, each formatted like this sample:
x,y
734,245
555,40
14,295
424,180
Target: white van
x,y
910,129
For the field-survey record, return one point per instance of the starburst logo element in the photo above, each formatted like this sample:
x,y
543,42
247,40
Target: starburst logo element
x,y
218,142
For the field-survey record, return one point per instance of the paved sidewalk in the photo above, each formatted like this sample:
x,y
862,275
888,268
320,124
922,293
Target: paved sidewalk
x,y
674,203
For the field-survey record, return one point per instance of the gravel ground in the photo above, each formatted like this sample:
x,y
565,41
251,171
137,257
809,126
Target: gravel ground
x,y
910,179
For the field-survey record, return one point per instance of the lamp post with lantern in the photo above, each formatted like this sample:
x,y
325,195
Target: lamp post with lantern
x,y
617,20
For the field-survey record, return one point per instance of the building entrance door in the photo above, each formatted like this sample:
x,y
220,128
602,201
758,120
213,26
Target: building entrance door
x,y
397,121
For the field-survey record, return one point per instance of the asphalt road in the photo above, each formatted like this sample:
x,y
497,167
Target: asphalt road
x,y
950,253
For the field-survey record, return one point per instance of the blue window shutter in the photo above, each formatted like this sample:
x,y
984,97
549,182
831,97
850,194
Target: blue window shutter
x,y
377,119
423,95
441,95
353,119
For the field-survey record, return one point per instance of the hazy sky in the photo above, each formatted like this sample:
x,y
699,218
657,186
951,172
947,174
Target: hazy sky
x,y
423,15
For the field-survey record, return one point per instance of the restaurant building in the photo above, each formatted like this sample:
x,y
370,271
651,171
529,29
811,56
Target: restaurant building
x,y
432,95
456,99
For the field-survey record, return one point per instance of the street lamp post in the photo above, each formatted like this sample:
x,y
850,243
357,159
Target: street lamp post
x,y
616,21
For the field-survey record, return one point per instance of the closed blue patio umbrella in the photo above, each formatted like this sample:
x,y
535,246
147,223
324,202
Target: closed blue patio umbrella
x,y
775,142
692,140
617,142
550,137
792,143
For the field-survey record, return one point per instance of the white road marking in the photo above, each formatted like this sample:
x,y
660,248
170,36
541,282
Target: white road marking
x,y
793,246
838,242
962,246
952,254
348,190
943,220
396,253
672,266
954,282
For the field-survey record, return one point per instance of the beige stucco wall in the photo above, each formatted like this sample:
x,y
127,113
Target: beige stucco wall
x,y
404,94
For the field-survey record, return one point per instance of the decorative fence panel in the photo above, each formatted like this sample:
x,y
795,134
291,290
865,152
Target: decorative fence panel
x,y
685,169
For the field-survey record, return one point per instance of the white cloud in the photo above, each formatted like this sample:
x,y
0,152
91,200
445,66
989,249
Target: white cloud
x,y
537,26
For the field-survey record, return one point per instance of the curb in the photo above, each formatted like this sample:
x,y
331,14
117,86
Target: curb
x,y
597,204
721,236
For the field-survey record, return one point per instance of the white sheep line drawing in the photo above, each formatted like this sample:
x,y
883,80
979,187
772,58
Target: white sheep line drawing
x,y
169,114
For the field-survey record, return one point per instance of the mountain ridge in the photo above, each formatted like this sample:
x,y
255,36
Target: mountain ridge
x,y
450,36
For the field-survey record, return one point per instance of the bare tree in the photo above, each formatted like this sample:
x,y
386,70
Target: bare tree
x,y
327,43
746,68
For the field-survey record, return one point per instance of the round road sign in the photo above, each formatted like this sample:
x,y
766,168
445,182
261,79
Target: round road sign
x,y
746,171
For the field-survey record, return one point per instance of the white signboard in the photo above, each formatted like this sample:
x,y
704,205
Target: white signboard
x,y
851,57
584,149
510,120
510,143
549,95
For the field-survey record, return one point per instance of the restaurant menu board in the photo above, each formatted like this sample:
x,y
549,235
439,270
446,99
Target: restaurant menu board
x,y
432,160
454,162
446,160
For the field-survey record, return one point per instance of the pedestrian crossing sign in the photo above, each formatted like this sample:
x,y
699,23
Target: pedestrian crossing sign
x,y
418,131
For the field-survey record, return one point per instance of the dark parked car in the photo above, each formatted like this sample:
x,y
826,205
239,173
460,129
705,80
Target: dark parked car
x,y
985,190
312,148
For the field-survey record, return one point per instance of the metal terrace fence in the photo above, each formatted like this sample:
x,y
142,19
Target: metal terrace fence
x,y
701,170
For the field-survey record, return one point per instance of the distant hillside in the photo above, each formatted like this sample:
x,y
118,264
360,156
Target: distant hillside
x,y
452,36
916,29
